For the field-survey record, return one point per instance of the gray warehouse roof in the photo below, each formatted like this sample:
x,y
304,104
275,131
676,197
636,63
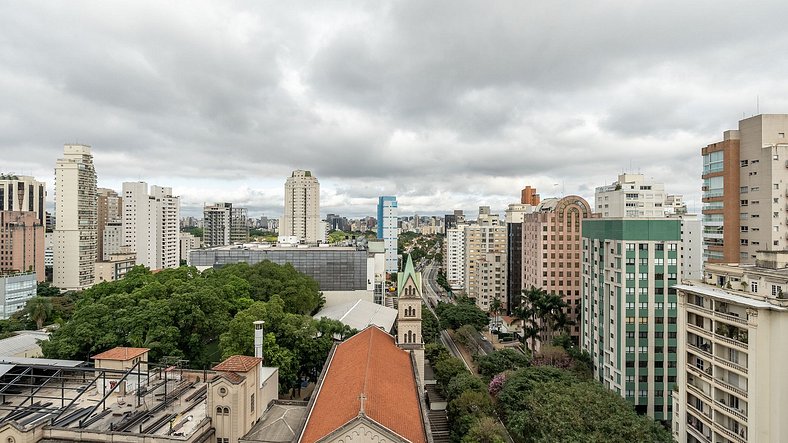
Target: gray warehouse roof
x,y
360,314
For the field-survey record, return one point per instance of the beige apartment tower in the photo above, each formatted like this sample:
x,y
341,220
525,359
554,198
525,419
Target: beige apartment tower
x,y
301,216
110,210
150,224
76,237
731,353
485,260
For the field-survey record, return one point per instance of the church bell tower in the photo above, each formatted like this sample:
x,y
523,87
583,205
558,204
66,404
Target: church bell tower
x,y
409,335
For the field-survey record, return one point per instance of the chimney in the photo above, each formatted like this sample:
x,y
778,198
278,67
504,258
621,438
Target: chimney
x,y
258,338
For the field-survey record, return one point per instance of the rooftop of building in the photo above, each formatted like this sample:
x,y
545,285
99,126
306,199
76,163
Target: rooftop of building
x,y
263,246
280,423
731,281
121,353
22,342
367,375
238,363
361,313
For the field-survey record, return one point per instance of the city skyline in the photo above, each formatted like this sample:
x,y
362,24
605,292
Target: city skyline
x,y
165,94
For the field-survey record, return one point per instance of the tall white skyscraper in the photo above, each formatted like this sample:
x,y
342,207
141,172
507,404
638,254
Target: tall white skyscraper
x,y
387,229
302,208
75,236
150,224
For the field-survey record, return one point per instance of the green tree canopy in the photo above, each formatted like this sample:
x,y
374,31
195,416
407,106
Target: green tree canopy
x,y
500,361
182,312
453,316
547,404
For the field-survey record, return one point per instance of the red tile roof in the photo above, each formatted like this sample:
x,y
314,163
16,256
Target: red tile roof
x,y
232,377
238,363
121,353
369,363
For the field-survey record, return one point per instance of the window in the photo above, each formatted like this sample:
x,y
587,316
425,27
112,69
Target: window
x,y
754,286
776,290
252,403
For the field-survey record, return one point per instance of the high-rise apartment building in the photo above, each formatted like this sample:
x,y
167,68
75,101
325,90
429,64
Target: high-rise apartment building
x,y
454,257
224,224
301,216
23,193
731,356
629,311
744,195
75,235
387,230
514,244
110,210
150,224
551,251
486,241
22,243
632,195
113,240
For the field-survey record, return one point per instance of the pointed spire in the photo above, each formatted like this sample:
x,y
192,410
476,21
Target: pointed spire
x,y
409,270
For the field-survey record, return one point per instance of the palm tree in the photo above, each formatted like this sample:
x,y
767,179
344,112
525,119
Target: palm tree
x,y
551,315
39,309
528,310
495,307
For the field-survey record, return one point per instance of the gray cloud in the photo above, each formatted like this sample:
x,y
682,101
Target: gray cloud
x,y
446,104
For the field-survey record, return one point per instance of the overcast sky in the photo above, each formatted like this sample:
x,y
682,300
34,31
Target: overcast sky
x,y
445,104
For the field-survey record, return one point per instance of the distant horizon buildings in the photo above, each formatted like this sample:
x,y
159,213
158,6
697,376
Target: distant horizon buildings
x,y
388,231
224,224
301,217
75,235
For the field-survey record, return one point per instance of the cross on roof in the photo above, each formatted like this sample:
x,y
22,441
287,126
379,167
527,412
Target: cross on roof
x,y
362,398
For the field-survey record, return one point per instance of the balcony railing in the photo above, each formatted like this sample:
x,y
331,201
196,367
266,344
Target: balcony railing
x,y
729,317
737,414
698,392
730,341
730,364
697,328
728,433
730,387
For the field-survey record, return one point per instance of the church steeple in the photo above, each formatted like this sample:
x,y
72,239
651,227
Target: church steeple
x,y
409,315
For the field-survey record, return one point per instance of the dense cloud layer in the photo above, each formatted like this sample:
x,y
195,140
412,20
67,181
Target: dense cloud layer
x,y
446,104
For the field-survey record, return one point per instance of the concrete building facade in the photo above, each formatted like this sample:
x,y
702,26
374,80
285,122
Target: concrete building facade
x,y
109,210
224,224
23,193
454,257
514,244
22,243
629,310
486,240
75,245
150,224
551,251
632,195
744,190
388,231
301,216
731,359
15,291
